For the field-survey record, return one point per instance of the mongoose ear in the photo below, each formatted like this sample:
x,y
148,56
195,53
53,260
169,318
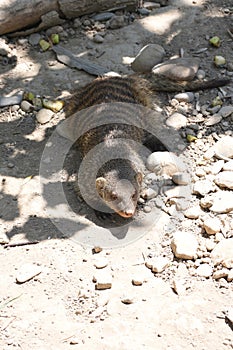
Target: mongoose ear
x,y
100,183
138,177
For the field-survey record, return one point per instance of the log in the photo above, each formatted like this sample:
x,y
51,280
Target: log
x,y
24,14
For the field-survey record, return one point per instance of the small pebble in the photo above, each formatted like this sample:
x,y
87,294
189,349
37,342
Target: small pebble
x,y
204,270
44,115
98,39
34,39
27,272
185,97
212,225
26,106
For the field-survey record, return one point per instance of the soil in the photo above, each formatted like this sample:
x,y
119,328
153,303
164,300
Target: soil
x,y
60,308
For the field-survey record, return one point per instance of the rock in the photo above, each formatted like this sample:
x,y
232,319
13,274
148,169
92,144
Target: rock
x,y
144,12
54,30
184,245
164,163
179,286
3,238
103,279
157,264
226,111
185,97
224,147
34,39
223,253
228,166
103,16
212,225
209,245
26,106
98,39
176,121
77,23
147,58
137,281
100,262
147,209
204,270
230,276
200,74
116,22
203,187
181,178
220,202
178,68
97,250
213,120
27,272
193,212
127,301
11,100
225,179
44,115
216,167
220,274
149,193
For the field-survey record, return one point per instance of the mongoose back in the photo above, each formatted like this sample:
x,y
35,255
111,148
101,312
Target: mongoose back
x,y
118,181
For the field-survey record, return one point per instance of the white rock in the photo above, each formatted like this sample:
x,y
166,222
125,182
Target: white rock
x,y
225,179
193,212
3,238
230,276
179,286
185,97
147,58
223,253
226,111
27,272
204,270
176,121
103,279
184,245
158,264
26,106
44,115
217,167
209,245
220,274
203,187
164,163
138,280
228,166
149,193
212,225
224,147
181,178
220,202
213,120
100,262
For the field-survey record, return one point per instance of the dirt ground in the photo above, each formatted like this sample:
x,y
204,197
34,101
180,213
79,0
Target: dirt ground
x,y
60,308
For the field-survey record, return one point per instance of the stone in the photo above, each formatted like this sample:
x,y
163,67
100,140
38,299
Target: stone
x,y
226,111
220,274
212,225
100,262
185,97
98,39
34,39
176,121
149,193
223,253
137,281
44,115
203,187
213,120
26,106
103,16
224,147
193,212
178,68
181,178
184,245
228,166
147,209
230,276
27,272
157,264
77,23
179,286
3,238
164,163
204,270
225,179
220,202
209,245
97,250
216,167
200,74
103,279
147,58
116,22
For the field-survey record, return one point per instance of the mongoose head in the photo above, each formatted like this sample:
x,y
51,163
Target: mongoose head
x,y
120,196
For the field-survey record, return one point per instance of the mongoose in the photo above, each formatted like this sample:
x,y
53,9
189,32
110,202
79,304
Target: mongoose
x,y
118,181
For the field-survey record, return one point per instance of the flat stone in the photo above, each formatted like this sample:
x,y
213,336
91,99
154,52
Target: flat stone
x,y
204,270
103,279
158,264
100,262
216,167
176,121
203,187
223,253
178,68
193,212
221,202
212,225
225,179
226,111
184,245
27,272
103,16
213,120
44,115
147,58
164,163
185,97
220,274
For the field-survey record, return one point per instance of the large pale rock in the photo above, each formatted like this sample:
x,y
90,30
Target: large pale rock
x,y
184,245
164,163
225,179
224,147
203,187
178,68
147,58
176,121
220,202
212,225
223,253
204,270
